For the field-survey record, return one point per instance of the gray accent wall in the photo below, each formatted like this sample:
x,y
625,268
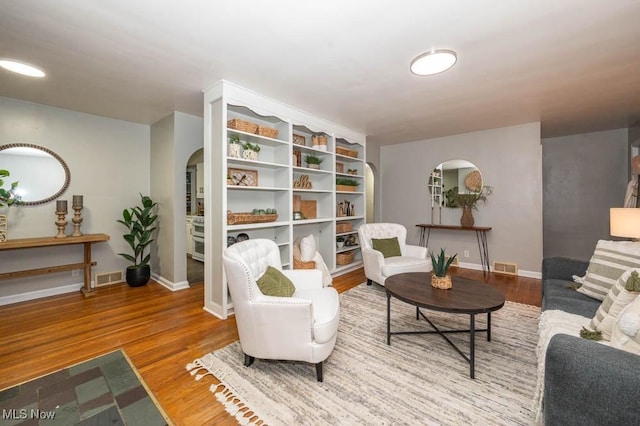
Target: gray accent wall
x,y
510,160
583,176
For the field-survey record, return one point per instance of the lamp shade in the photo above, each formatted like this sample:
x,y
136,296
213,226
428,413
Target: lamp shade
x,y
624,222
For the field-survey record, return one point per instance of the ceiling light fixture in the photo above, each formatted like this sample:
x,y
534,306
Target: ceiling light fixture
x,y
433,62
21,68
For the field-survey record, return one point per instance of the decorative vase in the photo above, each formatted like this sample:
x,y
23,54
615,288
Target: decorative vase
x,y
314,166
249,154
467,217
234,150
138,276
443,283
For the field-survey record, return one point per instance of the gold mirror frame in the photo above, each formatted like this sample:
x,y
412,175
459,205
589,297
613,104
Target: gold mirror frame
x,y
67,173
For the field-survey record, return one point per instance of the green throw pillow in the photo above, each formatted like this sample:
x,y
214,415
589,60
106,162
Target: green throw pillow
x,y
275,283
387,246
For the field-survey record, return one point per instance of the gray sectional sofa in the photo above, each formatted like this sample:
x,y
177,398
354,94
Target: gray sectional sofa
x,y
585,383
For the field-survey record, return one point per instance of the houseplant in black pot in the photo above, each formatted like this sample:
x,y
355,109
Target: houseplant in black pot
x,y
140,221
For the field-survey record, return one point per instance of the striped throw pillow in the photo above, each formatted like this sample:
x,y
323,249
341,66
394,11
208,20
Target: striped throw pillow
x,y
617,299
610,260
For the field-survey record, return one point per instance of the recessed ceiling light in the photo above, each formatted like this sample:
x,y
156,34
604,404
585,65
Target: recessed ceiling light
x,y
433,62
21,68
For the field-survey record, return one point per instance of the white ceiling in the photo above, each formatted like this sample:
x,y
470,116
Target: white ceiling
x,y
574,65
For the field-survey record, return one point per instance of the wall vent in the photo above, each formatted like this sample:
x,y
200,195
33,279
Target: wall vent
x,y
108,278
506,268
455,261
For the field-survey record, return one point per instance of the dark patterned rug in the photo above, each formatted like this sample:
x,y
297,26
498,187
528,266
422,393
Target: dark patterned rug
x,y
102,391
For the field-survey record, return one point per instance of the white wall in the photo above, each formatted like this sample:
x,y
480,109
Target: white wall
x,y
510,161
109,164
173,140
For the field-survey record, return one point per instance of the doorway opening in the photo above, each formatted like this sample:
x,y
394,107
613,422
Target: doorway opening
x,y
195,217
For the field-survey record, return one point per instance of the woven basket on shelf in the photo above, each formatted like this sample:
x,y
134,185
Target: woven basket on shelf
x,y
242,125
345,258
344,151
443,283
268,132
342,227
301,264
241,218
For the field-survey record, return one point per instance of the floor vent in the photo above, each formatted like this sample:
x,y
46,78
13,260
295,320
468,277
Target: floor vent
x,y
108,278
506,268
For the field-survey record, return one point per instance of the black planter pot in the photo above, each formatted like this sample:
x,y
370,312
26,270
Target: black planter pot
x,y
138,276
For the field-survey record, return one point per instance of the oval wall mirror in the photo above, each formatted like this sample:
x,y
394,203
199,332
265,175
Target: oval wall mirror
x,y
453,177
42,175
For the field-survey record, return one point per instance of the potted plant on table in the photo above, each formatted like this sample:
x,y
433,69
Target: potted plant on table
x,y
140,221
469,201
440,278
250,151
8,197
313,161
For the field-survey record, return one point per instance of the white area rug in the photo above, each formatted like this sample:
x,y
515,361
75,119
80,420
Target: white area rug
x,y
419,379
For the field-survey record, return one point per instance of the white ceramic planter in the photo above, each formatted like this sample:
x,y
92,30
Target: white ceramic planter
x,y
234,150
248,154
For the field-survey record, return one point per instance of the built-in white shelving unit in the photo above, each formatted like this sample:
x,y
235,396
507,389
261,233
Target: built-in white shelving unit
x,y
277,180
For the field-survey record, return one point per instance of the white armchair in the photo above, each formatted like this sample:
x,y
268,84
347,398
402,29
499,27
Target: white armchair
x,y
376,267
303,327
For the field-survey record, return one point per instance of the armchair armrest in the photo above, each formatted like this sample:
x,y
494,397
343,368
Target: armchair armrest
x,y
304,279
590,383
562,268
415,251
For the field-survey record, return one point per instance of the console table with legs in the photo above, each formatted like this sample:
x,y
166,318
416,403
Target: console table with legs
x,y
25,243
481,236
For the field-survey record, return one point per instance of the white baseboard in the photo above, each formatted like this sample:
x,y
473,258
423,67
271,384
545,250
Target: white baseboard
x,y
38,294
521,273
169,284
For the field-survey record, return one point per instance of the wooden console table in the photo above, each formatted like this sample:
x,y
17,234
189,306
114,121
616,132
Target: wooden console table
x,y
25,243
481,236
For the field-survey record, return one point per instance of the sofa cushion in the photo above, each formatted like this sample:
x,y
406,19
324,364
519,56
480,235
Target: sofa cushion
x,y
561,295
626,330
610,259
389,247
275,283
615,301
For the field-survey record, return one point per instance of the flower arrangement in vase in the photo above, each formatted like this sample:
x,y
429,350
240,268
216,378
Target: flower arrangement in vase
x,y
469,201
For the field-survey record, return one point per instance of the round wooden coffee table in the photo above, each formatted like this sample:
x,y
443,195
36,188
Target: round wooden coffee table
x,y
465,297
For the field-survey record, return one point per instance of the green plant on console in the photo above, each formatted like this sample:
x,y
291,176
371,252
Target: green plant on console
x,y
441,263
251,147
347,182
8,197
140,221
470,199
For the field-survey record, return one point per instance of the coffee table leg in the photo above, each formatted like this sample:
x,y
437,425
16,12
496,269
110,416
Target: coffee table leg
x,y
388,319
472,344
488,326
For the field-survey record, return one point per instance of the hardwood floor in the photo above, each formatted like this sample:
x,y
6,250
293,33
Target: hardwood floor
x,y
161,331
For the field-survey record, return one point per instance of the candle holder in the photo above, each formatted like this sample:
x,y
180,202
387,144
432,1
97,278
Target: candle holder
x,y
61,223
77,220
